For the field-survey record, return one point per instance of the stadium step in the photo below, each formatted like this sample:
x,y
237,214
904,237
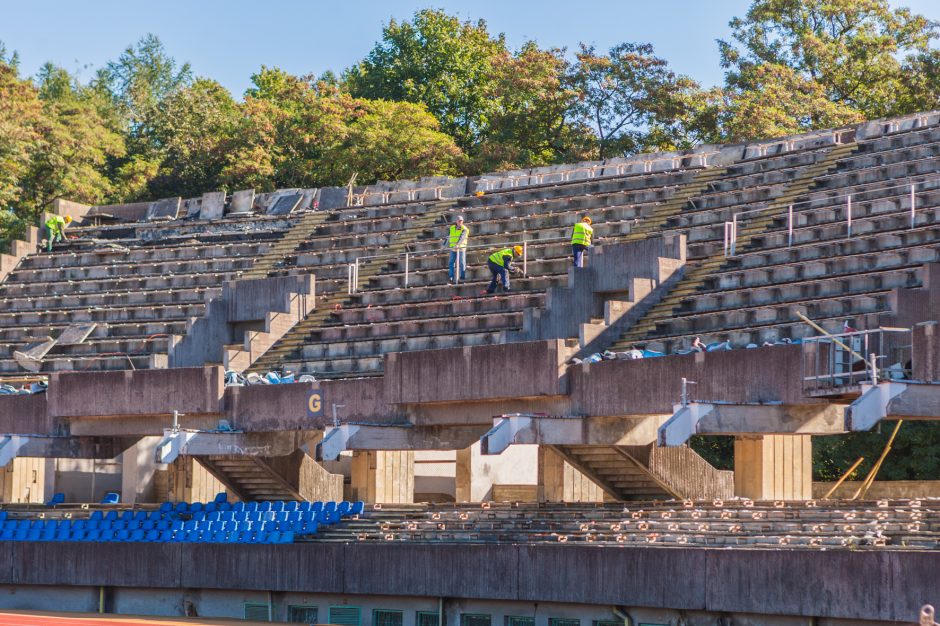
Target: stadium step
x,y
249,478
287,244
654,222
697,271
618,473
290,344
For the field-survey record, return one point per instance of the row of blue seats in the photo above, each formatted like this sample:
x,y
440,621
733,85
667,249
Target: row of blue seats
x,y
152,536
143,517
298,526
344,508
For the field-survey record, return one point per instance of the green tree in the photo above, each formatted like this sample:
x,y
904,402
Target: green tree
x,y
75,142
623,94
530,123
439,61
849,52
194,128
20,119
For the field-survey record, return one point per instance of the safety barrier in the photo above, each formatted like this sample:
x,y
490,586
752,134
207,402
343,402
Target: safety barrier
x,y
856,357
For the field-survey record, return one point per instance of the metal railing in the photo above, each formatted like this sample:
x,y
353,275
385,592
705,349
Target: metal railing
x,y
850,202
352,274
856,357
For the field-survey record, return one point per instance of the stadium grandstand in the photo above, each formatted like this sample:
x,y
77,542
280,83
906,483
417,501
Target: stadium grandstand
x,y
282,407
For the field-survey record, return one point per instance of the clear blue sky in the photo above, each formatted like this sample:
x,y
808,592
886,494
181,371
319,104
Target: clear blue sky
x,y
230,40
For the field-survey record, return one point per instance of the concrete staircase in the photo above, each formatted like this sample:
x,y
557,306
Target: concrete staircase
x,y
697,271
617,472
249,478
292,342
654,222
287,244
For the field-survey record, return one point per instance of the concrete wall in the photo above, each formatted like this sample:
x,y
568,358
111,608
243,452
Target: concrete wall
x,y
28,480
385,476
773,467
888,585
191,482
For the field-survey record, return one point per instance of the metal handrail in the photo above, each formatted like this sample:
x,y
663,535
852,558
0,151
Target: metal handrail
x,y
833,366
731,226
352,274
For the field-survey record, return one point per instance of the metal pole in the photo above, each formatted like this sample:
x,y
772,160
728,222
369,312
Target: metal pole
x,y
525,257
727,238
913,204
849,214
790,226
874,368
406,268
734,234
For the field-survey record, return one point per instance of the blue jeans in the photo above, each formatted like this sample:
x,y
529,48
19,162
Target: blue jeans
x,y
577,251
500,276
457,255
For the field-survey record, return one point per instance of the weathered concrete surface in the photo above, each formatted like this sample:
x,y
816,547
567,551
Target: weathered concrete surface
x,y
25,414
858,584
193,391
517,370
653,386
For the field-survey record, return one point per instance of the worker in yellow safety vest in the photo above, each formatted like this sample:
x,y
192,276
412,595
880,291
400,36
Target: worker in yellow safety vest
x,y
457,237
581,236
500,264
55,229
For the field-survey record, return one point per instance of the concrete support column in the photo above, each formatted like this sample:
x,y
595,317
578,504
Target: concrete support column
x,y
385,476
28,480
773,467
189,481
463,480
137,471
559,481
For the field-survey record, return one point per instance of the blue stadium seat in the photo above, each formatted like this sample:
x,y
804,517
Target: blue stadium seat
x,y
166,507
192,536
140,516
195,506
189,525
93,535
343,508
9,525
111,498
57,498
119,525
77,535
137,535
251,506
122,535
277,505
148,525
23,524
162,525
37,524
97,515
33,534
176,525
272,537
178,535
291,506
199,516
93,524
20,535
227,516
210,507
126,516
182,507
165,536
287,537
304,506
358,507
238,506
224,506
316,506
133,524
79,524
220,497
267,505
219,537
152,535
7,534
229,526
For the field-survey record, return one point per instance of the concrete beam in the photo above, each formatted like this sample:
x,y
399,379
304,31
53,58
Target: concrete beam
x,y
547,430
394,437
61,447
704,418
206,443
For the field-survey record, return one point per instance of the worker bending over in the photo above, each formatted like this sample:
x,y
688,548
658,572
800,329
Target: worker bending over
x,y
500,264
457,244
581,236
55,229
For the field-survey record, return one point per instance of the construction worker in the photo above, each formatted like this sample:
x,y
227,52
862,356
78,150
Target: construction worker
x,y
581,236
55,229
500,264
457,237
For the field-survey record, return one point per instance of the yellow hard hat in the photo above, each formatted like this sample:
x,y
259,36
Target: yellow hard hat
x,y
68,219
517,250
586,219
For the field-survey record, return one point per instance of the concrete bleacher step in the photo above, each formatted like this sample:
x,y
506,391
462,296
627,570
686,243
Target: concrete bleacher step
x,y
694,277
661,214
249,478
291,343
287,244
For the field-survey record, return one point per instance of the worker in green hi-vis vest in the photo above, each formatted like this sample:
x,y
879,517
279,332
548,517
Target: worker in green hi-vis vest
x,y
55,229
581,236
500,264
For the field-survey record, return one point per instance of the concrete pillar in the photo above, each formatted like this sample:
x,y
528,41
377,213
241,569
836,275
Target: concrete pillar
x,y
137,471
463,481
28,480
559,481
385,476
189,481
773,467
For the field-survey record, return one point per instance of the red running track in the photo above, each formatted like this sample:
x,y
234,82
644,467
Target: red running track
x,y
34,618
